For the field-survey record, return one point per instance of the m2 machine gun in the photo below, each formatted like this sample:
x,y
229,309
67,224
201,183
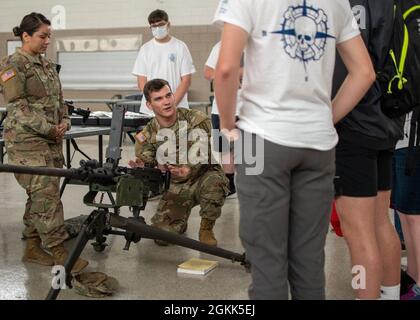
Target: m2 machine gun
x,y
124,187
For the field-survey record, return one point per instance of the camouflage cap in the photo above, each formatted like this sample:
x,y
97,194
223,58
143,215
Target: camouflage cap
x,y
95,284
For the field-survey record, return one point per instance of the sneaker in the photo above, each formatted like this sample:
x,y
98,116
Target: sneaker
x,y
406,282
413,294
232,192
232,195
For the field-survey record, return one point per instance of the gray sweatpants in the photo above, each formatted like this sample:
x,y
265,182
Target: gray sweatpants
x,y
284,218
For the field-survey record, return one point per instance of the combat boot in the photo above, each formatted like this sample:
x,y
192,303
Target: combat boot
x,y
35,254
60,255
206,234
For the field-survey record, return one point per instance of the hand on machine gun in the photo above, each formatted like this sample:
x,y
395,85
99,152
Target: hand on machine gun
x,y
136,163
176,171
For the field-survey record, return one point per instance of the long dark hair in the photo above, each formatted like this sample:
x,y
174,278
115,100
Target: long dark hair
x,y
30,24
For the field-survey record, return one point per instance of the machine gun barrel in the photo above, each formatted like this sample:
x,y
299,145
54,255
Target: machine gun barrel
x,y
91,172
41,171
87,172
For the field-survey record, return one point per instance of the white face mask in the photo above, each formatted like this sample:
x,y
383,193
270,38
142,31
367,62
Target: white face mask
x,y
160,32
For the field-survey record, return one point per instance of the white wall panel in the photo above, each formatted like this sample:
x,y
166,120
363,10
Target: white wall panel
x,y
100,14
98,70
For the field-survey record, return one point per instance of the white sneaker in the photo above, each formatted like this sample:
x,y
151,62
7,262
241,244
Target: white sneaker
x,y
232,195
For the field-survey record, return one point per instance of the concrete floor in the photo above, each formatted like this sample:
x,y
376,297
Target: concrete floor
x,y
146,271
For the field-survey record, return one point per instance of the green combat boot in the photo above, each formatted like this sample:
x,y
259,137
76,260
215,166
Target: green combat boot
x,y
206,234
60,255
35,254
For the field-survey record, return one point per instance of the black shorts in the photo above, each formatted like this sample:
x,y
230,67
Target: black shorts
x,y
406,189
362,172
220,144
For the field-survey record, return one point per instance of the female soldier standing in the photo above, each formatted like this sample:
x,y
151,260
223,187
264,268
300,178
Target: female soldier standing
x,y
33,131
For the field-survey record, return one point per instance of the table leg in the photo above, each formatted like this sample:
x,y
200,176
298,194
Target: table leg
x,y
130,135
68,156
100,148
1,152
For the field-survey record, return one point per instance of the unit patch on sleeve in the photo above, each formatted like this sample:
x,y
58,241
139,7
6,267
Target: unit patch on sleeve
x,y
7,75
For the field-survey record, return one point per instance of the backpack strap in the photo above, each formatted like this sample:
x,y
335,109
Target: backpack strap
x,y
410,163
418,130
369,27
399,65
406,41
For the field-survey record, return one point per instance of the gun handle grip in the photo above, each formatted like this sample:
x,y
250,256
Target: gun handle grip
x,y
127,245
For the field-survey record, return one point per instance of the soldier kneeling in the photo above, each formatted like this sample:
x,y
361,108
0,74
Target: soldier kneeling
x,y
195,178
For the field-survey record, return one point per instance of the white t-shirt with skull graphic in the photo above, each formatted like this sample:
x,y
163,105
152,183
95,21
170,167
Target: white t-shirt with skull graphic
x,y
290,58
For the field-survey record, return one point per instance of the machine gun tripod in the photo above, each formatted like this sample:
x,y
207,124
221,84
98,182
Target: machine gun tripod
x,y
133,187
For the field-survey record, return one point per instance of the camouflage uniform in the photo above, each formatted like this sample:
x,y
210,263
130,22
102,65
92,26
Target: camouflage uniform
x,y
32,91
206,185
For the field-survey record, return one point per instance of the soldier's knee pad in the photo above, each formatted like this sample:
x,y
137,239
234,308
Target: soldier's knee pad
x,y
214,186
211,208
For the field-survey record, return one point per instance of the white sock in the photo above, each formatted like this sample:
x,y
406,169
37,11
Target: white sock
x,y
390,293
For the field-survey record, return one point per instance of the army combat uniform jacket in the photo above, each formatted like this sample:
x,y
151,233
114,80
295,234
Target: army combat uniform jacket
x,y
34,101
206,185
183,151
32,91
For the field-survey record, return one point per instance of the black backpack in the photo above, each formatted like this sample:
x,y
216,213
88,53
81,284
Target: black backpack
x,y
400,77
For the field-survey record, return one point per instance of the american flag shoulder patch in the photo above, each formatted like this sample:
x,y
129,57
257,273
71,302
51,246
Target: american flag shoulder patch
x,y
7,75
141,137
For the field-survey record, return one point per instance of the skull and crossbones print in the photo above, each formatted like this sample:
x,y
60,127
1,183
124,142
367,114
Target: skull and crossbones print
x,y
305,43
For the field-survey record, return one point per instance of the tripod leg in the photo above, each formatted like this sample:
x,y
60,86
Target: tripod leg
x,y
63,186
76,148
74,254
132,236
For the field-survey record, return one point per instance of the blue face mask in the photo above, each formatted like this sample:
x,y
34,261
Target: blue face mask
x,y
160,32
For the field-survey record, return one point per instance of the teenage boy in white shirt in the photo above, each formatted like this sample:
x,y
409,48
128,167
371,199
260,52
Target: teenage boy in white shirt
x,y
164,57
289,62
227,158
